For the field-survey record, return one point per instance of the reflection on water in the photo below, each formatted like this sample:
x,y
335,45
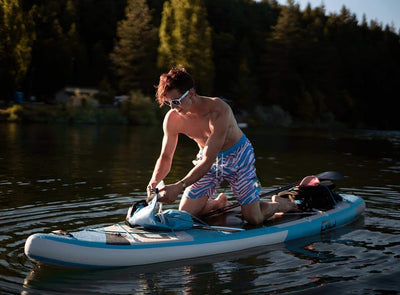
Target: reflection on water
x,y
73,177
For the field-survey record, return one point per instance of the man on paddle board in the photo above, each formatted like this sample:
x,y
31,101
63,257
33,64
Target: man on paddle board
x,y
225,152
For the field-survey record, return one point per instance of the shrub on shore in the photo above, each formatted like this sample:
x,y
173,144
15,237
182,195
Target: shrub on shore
x,y
85,109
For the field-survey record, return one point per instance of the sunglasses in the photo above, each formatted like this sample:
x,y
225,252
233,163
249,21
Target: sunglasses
x,y
176,101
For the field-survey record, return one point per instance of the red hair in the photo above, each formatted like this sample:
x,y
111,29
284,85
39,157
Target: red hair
x,y
176,78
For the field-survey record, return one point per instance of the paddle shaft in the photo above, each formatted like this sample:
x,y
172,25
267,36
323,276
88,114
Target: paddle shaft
x,y
235,205
328,175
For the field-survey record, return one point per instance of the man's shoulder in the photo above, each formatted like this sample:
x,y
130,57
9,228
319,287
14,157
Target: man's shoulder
x,y
171,119
172,115
217,104
220,107
213,99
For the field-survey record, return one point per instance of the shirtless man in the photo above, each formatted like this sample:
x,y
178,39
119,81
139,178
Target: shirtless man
x,y
225,153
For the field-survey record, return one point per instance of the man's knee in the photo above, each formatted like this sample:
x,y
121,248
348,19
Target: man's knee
x,y
254,219
193,206
252,213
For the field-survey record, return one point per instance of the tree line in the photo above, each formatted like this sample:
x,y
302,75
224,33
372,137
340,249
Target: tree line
x,y
271,61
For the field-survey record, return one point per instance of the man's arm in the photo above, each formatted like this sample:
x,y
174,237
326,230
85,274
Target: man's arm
x,y
164,161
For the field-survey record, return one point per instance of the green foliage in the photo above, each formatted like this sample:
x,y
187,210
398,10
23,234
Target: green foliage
x,y
284,42
57,52
84,108
42,114
79,109
85,101
185,39
11,114
16,40
239,29
318,68
272,116
140,109
135,54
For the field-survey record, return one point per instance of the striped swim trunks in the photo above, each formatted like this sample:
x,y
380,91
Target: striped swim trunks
x,y
235,165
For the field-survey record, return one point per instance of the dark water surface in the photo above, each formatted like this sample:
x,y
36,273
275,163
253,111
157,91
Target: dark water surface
x,y
74,177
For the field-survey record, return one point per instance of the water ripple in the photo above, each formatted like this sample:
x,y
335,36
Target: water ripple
x,y
96,190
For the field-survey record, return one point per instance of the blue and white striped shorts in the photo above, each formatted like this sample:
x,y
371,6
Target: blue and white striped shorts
x,y
235,165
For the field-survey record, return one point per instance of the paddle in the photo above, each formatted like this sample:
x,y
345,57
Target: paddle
x,y
327,175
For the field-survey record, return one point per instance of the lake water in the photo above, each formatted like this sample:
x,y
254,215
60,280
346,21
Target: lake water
x,y
74,177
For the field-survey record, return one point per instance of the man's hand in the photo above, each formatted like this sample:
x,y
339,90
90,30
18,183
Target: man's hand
x,y
170,193
150,193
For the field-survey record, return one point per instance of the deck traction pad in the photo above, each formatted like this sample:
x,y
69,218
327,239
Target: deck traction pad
x,y
116,239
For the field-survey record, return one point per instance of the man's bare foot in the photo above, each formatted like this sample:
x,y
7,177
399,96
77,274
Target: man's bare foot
x,y
222,200
285,205
214,204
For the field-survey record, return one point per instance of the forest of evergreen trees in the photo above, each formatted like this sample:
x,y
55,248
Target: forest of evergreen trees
x,y
309,64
